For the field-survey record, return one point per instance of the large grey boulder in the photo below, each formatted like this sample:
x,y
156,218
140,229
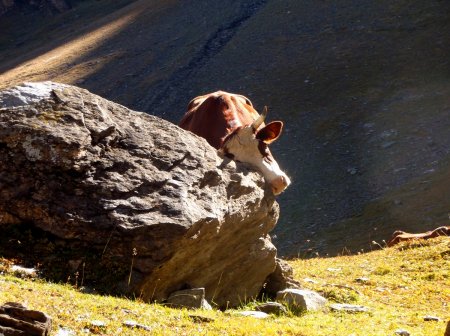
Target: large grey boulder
x,y
153,204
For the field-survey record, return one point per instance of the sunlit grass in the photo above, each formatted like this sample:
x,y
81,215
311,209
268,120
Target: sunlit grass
x,y
399,285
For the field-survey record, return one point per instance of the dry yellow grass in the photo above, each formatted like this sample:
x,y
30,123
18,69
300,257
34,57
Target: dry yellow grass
x,y
401,286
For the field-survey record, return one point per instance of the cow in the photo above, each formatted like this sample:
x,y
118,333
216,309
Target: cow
x,y
399,236
230,124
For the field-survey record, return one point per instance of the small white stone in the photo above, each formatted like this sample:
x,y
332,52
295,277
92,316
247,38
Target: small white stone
x,y
310,280
362,280
349,308
65,332
255,314
98,323
431,318
23,271
130,323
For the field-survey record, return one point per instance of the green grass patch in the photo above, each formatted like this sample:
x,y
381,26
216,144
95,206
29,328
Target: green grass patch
x,y
399,285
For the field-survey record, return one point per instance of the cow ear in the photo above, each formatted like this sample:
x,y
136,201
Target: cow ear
x,y
270,132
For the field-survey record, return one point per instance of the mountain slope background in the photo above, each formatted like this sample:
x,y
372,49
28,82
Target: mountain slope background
x,y
363,88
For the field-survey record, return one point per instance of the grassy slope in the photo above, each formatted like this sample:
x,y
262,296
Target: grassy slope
x,y
405,284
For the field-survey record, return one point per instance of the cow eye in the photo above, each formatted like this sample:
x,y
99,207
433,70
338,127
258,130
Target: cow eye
x,y
263,148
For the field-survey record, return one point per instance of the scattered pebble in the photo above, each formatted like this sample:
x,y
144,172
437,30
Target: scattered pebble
x,y
128,311
65,332
388,144
255,314
349,308
23,271
402,332
272,308
134,324
82,317
201,319
301,299
310,280
362,280
431,318
193,298
98,323
352,170
129,323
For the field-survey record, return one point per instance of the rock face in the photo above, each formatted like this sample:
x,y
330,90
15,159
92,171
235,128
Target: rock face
x,y
153,204
5,5
57,6
16,320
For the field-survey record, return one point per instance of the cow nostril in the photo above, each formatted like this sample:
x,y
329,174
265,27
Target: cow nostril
x,y
283,181
280,184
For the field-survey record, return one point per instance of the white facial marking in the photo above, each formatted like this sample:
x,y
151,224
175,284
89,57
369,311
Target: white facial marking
x,y
245,148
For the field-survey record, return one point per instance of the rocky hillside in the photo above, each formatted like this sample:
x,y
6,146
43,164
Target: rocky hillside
x,y
363,88
48,6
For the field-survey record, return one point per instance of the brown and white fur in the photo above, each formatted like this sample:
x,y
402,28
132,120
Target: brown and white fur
x,y
230,124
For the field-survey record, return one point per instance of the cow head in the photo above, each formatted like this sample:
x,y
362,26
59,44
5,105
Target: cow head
x,y
250,144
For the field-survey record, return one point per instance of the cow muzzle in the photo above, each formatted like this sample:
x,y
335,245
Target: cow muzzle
x,y
279,184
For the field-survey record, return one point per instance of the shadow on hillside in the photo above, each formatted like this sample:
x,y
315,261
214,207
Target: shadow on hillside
x,y
79,264
357,85
157,46
28,34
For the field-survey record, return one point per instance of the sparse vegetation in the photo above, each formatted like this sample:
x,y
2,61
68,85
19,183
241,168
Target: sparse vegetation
x,y
400,286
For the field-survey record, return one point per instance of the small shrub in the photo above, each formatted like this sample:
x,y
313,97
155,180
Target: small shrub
x,y
340,295
429,276
382,270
